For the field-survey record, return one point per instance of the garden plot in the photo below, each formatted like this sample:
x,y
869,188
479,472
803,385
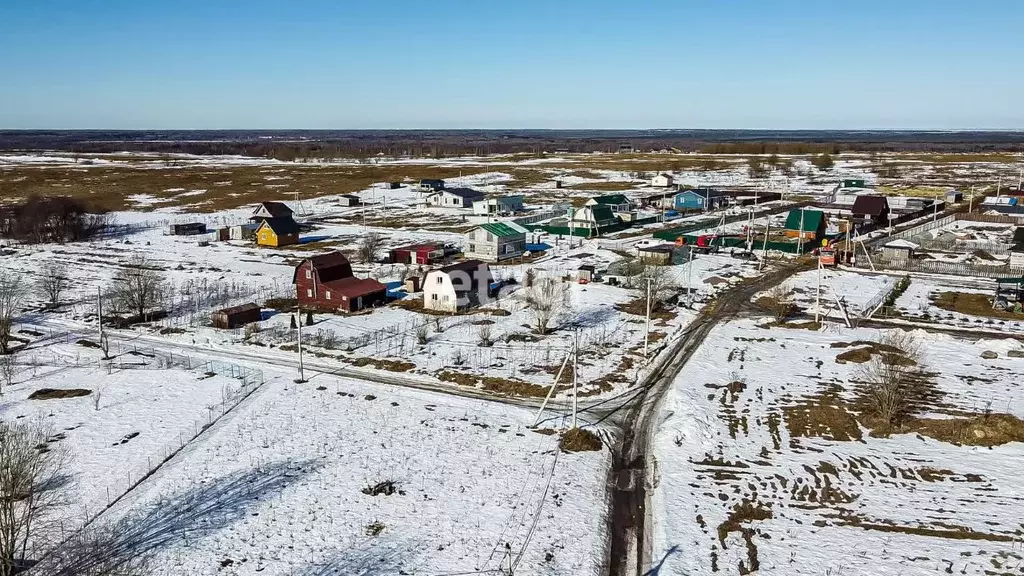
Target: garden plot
x,y
861,293
116,423
956,302
764,463
339,477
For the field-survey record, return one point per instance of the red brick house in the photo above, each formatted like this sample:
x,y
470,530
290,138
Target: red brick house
x,y
417,254
326,282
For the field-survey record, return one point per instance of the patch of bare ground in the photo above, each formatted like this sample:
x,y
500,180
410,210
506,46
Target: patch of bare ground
x,y
740,516
58,393
638,307
504,386
972,304
823,416
579,440
384,364
948,531
416,305
606,186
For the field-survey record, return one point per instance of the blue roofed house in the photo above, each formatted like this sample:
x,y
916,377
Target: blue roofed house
x,y
701,199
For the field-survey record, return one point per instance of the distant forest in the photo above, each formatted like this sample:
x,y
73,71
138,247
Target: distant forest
x,y
299,144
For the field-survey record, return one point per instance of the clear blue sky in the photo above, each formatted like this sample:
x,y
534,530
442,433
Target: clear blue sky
x,y
936,64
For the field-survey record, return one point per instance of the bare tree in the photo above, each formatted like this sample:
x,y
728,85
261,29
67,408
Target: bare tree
x,y
779,302
546,297
53,282
12,292
662,285
483,332
32,477
7,371
138,286
371,243
891,376
423,333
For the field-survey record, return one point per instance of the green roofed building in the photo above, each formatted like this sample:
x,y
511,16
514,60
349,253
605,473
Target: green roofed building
x,y
495,241
810,224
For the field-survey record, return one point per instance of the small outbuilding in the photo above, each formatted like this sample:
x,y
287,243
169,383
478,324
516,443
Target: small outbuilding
x,y
899,250
187,229
662,181
243,232
431,185
349,200
412,284
417,254
236,316
658,255
954,197
586,274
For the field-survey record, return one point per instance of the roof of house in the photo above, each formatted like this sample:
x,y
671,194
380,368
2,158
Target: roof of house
x,y
705,192
501,229
431,181
611,199
656,249
586,267
276,209
812,220
353,287
349,196
464,266
904,244
665,175
870,204
329,266
281,226
602,212
465,192
424,247
239,309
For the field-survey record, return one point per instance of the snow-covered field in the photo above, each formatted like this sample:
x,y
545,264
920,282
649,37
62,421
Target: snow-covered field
x,y
857,291
762,467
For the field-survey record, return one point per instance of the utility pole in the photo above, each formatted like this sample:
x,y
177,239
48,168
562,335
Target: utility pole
x,y
970,202
689,278
99,309
764,249
817,295
935,212
999,187
298,323
506,562
575,375
647,330
552,389
800,238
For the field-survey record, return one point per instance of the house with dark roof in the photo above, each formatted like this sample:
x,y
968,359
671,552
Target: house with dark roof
x,y
871,208
266,210
495,241
806,224
499,206
701,199
277,232
326,282
593,218
457,287
431,185
454,197
616,202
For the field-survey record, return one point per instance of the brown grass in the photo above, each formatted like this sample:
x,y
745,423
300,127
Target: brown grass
x,y
606,186
503,386
579,440
972,304
744,513
58,393
226,187
384,364
638,307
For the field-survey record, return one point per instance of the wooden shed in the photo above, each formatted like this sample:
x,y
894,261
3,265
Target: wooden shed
x,y
660,255
585,274
236,316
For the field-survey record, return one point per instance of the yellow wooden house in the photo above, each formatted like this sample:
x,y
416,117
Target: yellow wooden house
x,y
277,232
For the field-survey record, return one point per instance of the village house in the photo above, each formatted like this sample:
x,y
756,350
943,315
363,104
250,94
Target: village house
x,y
417,254
431,185
871,208
662,181
326,282
593,218
454,197
705,199
501,206
806,224
496,241
265,210
616,202
236,316
277,232
457,287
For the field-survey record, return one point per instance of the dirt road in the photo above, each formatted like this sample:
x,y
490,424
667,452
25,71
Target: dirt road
x,y
630,523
